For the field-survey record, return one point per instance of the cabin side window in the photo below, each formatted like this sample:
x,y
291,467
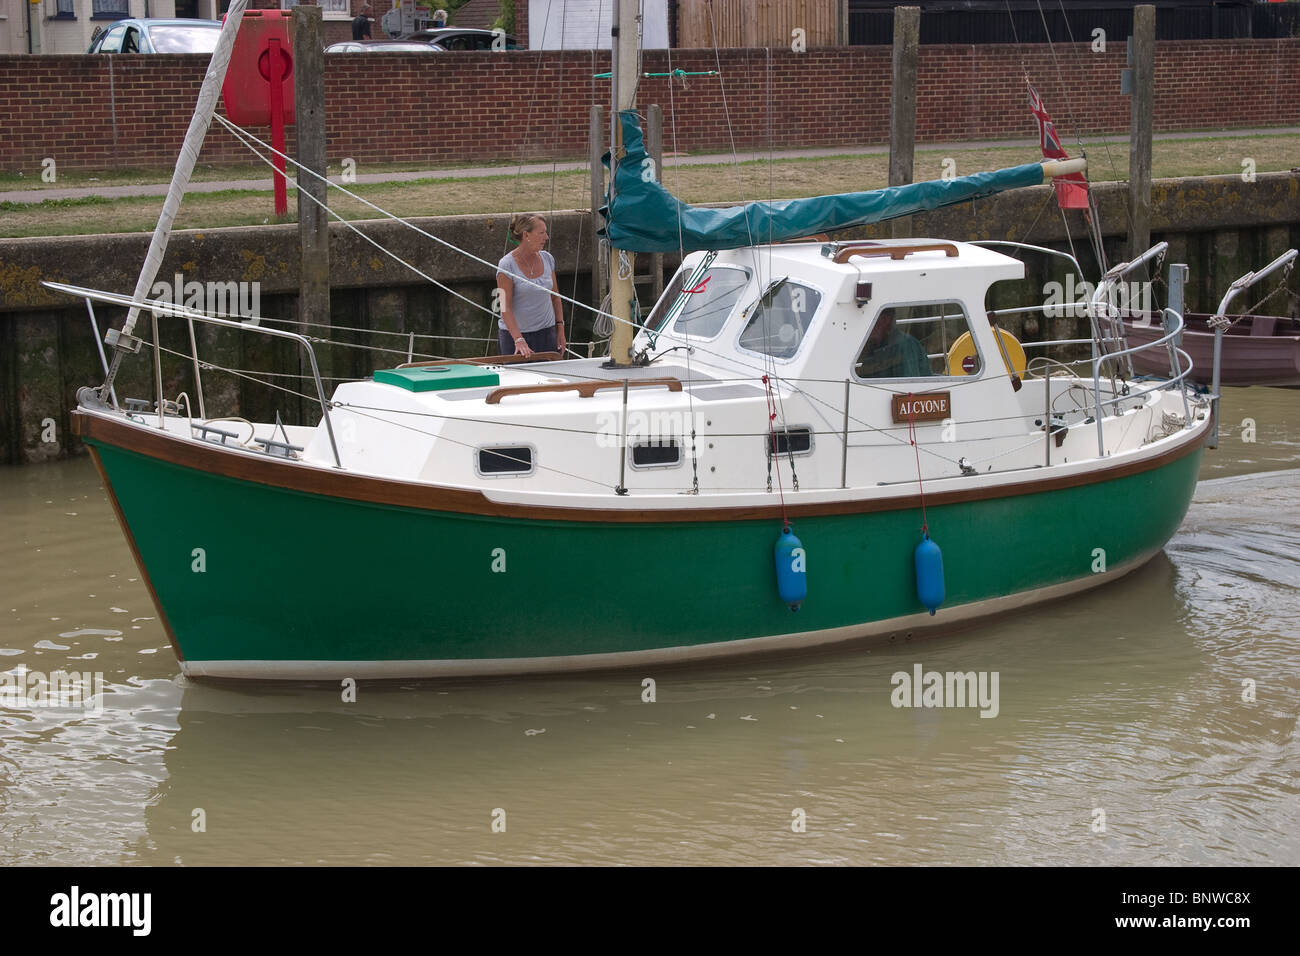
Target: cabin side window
x,y
796,440
780,319
702,310
504,460
930,340
656,454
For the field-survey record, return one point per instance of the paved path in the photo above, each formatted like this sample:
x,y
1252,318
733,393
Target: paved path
x,y
479,172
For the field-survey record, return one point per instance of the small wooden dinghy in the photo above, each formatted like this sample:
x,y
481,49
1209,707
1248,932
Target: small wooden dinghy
x,y
1256,349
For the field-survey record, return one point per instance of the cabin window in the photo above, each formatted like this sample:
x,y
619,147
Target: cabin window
x,y
656,454
780,318
789,441
918,341
505,460
702,313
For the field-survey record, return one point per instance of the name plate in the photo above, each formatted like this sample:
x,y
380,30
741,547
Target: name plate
x,y
930,407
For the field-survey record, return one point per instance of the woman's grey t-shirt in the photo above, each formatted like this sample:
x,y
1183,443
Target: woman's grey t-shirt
x,y
532,306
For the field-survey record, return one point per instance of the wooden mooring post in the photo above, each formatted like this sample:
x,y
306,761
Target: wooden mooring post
x,y
313,220
1142,59
902,106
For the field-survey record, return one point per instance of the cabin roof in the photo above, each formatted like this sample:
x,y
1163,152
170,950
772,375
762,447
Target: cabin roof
x,y
808,258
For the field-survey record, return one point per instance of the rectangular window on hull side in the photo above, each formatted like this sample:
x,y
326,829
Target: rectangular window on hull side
x,y
656,454
505,460
789,441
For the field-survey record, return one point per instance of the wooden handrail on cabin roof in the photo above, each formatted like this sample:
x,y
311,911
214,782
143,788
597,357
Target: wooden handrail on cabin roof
x,y
584,389
488,360
896,253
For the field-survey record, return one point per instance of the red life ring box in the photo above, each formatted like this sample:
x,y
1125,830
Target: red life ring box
x,y
247,87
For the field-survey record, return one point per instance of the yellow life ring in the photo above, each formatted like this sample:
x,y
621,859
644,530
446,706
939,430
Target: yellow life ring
x,y
963,351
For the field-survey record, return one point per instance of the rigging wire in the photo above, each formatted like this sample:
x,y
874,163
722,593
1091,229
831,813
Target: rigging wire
x,y
1105,145
245,137
681,257
357,410
240,134
523,142
867,428
1093,222
767,359
772,444
768,364
1092,218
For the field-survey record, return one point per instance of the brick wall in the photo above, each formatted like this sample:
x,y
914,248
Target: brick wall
x,y
470,107
521,23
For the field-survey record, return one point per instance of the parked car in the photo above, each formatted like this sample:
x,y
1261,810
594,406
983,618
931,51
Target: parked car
x,y
453,38
158,36
383,46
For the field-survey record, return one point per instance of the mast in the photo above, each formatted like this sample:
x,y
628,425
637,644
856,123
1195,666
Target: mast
x,y
124,341
624,76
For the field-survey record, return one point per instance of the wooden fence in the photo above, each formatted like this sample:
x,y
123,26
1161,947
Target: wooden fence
x,y
761,23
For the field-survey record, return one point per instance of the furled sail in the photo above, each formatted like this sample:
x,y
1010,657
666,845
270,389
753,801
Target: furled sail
x,y
644,217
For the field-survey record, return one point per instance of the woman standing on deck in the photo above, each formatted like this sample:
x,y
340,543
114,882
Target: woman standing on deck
x,y
532,319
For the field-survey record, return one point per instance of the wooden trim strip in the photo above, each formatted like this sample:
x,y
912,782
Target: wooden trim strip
x,y
332,482
135,551
584,389
897,253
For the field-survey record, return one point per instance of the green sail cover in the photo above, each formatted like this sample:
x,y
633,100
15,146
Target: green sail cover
x,y
644,217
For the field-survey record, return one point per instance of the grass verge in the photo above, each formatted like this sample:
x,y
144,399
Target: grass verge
x,y
508,192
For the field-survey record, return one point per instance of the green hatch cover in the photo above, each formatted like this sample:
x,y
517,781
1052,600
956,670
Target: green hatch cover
x,y
432,378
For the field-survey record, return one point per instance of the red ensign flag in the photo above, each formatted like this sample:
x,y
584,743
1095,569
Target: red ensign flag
x,y
1071,190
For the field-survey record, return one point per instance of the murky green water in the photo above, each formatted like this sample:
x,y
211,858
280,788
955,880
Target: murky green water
x,y
1122,707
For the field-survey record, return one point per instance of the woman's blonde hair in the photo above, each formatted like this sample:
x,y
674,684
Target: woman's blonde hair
x,y
524,222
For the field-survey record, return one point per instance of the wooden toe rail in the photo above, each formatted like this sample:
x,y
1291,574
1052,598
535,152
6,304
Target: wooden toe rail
x,y
894,252
584,389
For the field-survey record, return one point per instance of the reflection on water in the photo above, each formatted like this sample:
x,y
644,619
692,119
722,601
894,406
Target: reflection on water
x,y
1123,706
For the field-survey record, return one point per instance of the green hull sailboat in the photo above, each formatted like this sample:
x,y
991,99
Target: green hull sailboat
x,y
803,443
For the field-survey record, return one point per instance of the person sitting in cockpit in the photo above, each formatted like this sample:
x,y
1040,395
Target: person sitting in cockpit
x,y
892,353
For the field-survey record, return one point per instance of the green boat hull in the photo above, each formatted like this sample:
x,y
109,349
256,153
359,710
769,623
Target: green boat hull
x,y
258,580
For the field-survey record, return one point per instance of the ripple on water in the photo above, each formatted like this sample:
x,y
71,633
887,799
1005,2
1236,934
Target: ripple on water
x,y
92,632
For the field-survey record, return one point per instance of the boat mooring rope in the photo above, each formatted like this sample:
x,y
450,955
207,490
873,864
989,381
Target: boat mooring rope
x,y
772,451
911,437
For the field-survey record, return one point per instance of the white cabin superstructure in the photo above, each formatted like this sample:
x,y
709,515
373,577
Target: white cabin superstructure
x,y
807,338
